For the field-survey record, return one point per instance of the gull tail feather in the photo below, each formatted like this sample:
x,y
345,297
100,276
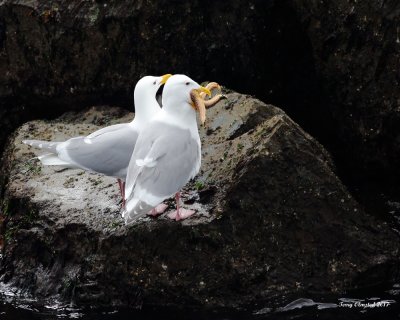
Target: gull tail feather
x,y
45,145
51,159
135,209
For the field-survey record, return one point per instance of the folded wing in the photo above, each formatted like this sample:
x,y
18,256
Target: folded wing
x,y
166,157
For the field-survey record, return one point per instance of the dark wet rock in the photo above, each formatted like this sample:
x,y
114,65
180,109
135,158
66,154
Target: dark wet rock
x,y
272,218
356,50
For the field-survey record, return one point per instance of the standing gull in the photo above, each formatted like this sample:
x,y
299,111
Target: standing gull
x,y
168,151
108,150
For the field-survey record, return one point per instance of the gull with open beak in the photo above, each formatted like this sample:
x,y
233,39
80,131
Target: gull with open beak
x,y
108,150
168,151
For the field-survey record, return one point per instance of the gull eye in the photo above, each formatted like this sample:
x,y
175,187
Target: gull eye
x,y
187,83
154,82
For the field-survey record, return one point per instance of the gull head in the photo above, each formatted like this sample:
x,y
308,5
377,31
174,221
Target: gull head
x,y
149,85
182,94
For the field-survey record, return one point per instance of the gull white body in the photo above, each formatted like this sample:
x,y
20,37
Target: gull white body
x,y
167,153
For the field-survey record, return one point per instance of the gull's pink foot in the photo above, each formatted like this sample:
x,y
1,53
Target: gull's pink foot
x,y
157,210
179,213
183,214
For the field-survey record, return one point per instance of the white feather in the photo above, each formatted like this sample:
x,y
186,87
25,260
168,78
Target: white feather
x,y
88,140
146,162
52,159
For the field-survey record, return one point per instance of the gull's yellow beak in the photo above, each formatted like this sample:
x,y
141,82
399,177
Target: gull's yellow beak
x,y
165,77
198,103
205,90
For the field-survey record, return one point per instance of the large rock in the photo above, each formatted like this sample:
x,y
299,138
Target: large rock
x,y
272,218
356,51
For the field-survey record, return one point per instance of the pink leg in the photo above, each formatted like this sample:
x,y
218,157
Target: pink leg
x,y
121,185
158,210
180,213
123,194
